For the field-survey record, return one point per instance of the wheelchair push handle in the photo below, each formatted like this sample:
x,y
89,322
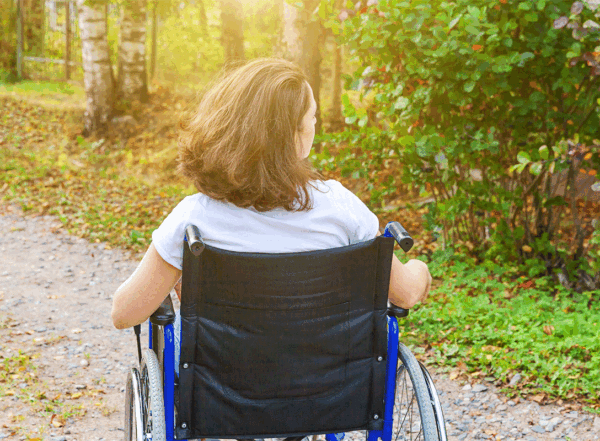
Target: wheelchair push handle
x,y
194,239
398,232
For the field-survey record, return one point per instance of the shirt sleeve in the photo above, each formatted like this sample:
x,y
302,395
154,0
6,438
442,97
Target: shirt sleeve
x,y
362,223
168,237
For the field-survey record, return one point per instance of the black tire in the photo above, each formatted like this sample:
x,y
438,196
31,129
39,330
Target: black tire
x,y
414,417
440,421
133,407
153,406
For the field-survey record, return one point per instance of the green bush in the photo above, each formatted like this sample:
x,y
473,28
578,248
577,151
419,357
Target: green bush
x,y
456,93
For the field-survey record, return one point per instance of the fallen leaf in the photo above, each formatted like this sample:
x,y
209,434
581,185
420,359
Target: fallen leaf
x,y
76,395
526,248
548,329
538,398
453,375
57,421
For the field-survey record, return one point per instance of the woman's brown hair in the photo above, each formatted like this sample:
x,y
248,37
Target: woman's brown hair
x,y
240,145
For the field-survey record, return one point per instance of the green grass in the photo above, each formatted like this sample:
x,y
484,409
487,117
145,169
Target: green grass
x,y
48,91
486,322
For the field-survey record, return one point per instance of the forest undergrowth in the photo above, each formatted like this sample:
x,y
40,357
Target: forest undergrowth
x,y
482,320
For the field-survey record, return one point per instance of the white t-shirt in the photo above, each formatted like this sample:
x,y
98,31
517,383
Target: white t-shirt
x,y
338,218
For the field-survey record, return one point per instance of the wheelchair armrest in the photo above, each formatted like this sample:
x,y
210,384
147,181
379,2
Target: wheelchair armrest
x,y
397,311
165,314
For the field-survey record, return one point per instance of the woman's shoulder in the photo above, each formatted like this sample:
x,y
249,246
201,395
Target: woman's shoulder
x,y
193,201
360,222
332,189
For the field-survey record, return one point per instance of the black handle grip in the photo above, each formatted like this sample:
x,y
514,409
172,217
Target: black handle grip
x,y
397,231
164,314
194,239
397,311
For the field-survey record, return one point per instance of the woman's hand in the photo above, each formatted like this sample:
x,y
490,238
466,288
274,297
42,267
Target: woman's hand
x,y
419,270
409,283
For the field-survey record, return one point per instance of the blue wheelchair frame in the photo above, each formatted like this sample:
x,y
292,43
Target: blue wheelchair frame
x,y
373,435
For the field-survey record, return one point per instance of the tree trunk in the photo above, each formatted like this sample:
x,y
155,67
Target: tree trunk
x,y
232,37
8,32
132,81
33,26
336,104
97,70
303,38
291,33
202,17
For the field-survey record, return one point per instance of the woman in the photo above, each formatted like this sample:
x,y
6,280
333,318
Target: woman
x,y
246,149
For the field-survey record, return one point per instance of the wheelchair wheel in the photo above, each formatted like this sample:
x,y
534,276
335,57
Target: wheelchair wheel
x,y
153,407
133,407
437,406
414,417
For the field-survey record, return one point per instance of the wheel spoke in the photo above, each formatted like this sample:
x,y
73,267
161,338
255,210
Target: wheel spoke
x,y
407,420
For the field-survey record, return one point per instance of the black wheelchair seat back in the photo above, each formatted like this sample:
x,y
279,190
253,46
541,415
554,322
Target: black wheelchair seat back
x,y
295,342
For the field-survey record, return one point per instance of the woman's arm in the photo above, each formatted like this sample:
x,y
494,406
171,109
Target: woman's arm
x,y
409,283
140,295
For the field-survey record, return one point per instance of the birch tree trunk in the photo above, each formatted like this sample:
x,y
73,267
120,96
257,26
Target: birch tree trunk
x,y
132,80
291,35
97,71
232,37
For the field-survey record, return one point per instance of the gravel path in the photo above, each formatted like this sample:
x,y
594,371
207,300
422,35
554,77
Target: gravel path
x,y
55,299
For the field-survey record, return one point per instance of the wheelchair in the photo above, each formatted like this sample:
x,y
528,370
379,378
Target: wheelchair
x,y
282,346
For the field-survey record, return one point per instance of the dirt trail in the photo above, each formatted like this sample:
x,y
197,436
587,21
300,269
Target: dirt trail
x,y
68,364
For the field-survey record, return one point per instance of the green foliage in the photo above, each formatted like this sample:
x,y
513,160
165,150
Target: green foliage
x,y
498,325
473,100
190,51
186,51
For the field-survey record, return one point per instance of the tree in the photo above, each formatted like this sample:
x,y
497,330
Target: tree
x,y
290,35
132,80
34,26
232,37
303,37
97,70
8,37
